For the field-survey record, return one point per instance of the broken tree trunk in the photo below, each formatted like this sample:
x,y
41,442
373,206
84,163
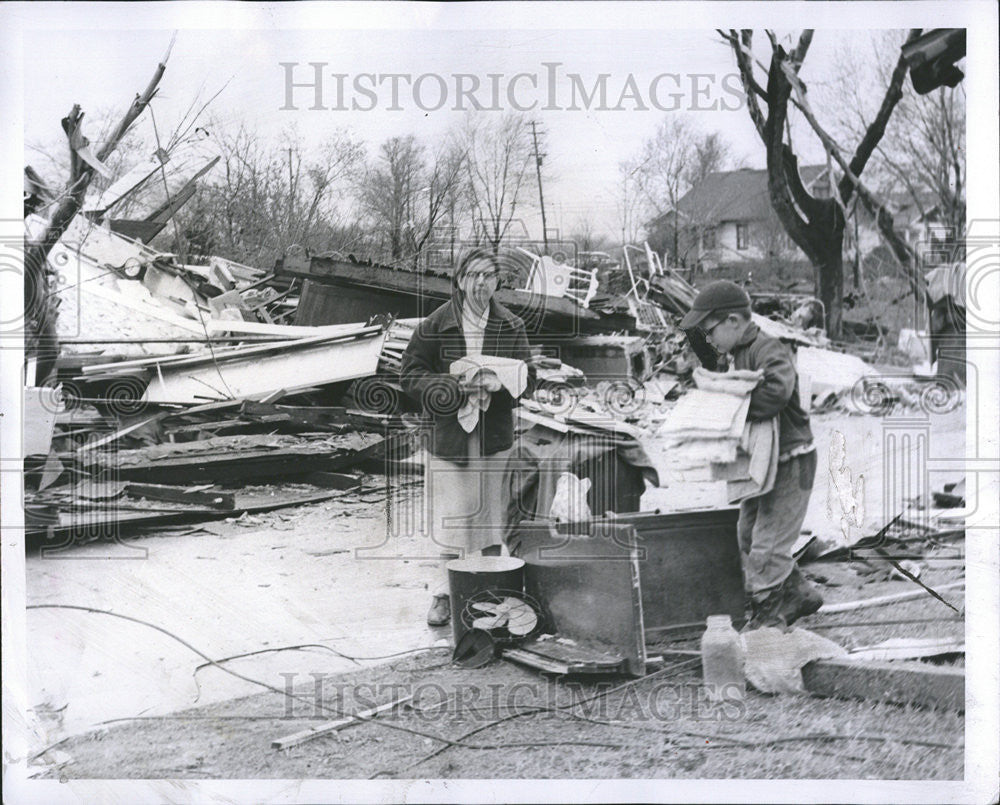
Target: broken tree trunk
x,y
816,225
39,306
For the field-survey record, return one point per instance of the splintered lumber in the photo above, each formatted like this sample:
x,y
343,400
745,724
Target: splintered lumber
x,y
896,682
109,521
180,494
297,738
278,331
309,417
233,459
332,480
257,371
903,648
851,606
113,437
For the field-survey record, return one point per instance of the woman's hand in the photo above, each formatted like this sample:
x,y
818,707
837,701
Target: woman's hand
x,y
483,380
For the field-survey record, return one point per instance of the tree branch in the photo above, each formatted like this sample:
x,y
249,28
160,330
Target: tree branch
x,y
876,130
883,217
741,49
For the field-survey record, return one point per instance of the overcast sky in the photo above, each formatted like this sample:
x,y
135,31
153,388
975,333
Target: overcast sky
x,y
102,69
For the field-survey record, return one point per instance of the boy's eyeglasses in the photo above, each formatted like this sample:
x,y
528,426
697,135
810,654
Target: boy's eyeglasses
x,y
709,330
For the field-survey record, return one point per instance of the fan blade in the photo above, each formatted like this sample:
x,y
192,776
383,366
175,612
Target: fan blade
x,y
489,623
521,620
509,603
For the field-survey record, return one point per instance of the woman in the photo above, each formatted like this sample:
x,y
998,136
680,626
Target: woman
x,y
471,411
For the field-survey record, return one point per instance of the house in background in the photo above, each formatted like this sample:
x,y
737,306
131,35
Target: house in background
x,y
728,219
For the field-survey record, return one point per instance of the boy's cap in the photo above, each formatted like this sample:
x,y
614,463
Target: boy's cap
x,y
719,296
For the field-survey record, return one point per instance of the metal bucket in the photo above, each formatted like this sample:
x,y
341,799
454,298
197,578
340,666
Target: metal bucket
x,y
479,574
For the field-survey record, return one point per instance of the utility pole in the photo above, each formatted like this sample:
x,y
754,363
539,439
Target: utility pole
x,y
541,198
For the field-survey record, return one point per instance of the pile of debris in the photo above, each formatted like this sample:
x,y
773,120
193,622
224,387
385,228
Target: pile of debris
x,y
93,472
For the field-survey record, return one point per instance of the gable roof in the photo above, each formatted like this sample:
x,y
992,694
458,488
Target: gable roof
x,y
739,195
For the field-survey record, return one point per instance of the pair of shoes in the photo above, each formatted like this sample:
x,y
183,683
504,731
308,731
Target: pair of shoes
x,y
799,598
440,612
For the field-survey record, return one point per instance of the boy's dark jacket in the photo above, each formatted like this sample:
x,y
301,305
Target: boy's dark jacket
x,y
437,342
778,393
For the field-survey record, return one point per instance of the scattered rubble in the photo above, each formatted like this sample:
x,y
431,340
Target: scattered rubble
x,y
236,391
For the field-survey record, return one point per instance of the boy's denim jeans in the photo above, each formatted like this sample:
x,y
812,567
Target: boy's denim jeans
x,y
770,525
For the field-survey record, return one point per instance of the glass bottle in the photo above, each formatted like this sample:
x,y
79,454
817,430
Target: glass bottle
x,y
722,660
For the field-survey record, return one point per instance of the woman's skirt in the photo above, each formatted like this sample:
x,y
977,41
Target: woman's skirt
x,y
466,505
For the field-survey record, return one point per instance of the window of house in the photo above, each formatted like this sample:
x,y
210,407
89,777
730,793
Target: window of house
x,y
742,239
708,238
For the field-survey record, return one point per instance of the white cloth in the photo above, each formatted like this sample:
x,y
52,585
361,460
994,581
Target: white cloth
x,y
774,659
490,373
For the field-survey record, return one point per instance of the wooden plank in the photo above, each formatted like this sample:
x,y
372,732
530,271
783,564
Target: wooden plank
x,y
296,365
242,467
112,519
864,603
332,480
280,331
535,661
149,309
896,682
901,648
114,437
235,352
180,494
297,738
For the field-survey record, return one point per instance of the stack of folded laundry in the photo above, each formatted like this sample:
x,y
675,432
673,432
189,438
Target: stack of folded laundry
x,y
752,472
708,428
707,424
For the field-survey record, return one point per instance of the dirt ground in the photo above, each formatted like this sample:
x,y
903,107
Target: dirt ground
x,y
322,603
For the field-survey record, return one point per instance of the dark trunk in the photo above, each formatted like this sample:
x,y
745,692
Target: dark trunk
x,y
831,285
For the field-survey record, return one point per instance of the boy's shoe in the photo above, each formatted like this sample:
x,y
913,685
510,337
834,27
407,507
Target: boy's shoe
x,y
765,612
440,612
799,598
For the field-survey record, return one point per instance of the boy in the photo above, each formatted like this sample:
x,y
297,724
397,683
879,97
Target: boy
x,y
770,524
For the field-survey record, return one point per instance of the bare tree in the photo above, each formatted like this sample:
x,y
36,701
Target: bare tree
x,y
677,157
711,154
388,189
440,198
628,203
498,169
267,197
586,236
922,155
815,224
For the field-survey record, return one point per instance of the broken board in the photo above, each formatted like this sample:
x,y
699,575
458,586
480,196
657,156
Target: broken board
x,y
561,658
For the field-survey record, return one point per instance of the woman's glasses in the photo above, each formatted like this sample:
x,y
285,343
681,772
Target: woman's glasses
x,y
482,276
